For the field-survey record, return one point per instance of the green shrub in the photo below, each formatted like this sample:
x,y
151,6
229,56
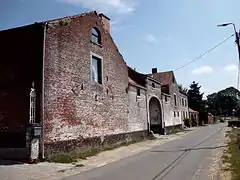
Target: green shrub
x,y
188,122
62,158
194,122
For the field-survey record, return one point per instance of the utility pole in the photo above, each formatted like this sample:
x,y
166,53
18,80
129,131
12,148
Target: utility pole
x,y
238,47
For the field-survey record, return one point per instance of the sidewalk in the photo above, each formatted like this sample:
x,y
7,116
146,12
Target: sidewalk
x,y
54,171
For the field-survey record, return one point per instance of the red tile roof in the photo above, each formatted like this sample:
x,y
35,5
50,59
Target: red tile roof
x,y
163,77
131,81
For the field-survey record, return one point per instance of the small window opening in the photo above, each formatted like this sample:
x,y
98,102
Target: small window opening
x,y
153,85
138,92
175,99
96,36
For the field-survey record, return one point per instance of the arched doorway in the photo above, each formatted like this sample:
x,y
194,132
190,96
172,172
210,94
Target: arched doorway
x,y
155,114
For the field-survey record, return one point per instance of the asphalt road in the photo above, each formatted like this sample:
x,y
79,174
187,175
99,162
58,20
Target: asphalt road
x,y
186,158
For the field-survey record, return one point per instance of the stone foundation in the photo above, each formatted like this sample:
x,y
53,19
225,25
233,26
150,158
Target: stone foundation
x,y
173,129
94,142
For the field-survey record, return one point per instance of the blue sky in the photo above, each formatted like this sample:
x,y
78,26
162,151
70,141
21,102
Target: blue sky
x,y
158,33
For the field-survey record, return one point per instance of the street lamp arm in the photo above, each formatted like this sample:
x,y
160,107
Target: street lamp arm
x,y
227,24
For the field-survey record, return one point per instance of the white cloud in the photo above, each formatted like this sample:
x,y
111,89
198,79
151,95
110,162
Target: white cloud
x,y
150,38
231,68
202,70
118,6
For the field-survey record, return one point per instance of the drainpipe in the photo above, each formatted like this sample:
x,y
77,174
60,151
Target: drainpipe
x,y
163,119
148,119
42,103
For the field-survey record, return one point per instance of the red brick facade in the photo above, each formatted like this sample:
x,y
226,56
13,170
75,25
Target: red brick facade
x,y
74,106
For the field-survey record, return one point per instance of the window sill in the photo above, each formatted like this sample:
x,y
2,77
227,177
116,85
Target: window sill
x,y
96,44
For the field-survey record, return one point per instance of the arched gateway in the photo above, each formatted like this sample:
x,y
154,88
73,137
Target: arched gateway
x,y
155,114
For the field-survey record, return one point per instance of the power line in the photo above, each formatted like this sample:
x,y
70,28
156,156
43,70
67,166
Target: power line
x,y
203,54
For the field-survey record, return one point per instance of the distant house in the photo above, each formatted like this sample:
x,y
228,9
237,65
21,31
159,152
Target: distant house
x,y
194,116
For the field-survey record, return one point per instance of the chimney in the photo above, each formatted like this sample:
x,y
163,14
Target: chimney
x,y
154,70
106,22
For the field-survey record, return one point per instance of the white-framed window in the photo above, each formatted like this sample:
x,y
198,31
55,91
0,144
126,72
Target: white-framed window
x,y
96,68
186,102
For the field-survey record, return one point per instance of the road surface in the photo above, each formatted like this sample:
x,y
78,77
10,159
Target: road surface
x,y
186,158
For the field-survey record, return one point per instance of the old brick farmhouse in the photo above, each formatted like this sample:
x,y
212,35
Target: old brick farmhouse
x,y
84,93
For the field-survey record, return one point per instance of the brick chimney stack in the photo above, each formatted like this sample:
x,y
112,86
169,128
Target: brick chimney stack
x,y
106,22
154,70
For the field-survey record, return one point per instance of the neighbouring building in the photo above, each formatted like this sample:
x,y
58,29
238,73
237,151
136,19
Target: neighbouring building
x,y
172,98
183,99
194,116
145,92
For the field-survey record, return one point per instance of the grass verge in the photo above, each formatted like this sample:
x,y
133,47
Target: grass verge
x,y
80,154
232,154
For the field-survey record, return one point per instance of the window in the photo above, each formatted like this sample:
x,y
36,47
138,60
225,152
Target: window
x,y
185,102
178,113
174,113
153,85
138,92
183,114
96,69
96,37
182,102
175,99
165,98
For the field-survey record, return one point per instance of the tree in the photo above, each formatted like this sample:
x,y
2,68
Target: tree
x,y
181,88
224,102
195,98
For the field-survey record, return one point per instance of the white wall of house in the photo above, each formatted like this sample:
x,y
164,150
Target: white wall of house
x,y
137,113
169,118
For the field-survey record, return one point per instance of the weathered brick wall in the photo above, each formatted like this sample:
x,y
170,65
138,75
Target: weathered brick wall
x,y
75,107
137,117
153,91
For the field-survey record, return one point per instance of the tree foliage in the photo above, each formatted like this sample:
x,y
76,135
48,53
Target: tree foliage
x,y
181,88
195,97
224,102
